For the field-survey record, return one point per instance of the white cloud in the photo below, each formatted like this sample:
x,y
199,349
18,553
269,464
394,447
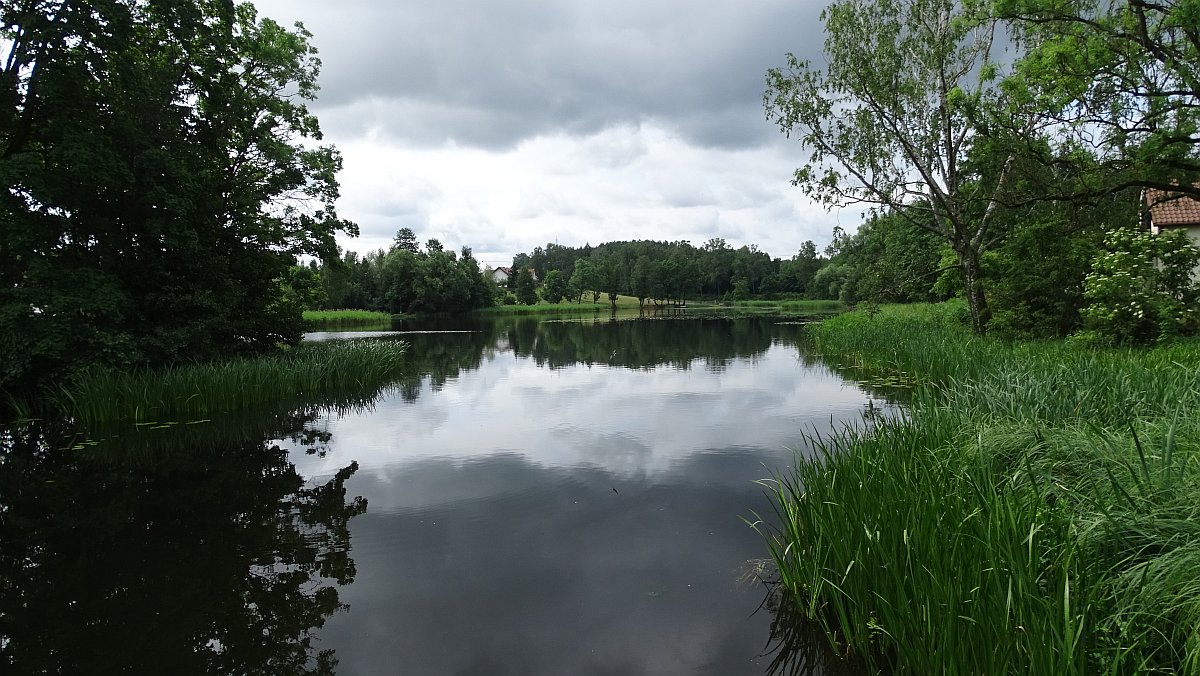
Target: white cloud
x,y
620,183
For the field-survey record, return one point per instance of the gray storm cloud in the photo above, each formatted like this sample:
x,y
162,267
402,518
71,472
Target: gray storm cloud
x,y
491,74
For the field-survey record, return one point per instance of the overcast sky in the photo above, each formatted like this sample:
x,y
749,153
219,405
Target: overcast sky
x,y
507,124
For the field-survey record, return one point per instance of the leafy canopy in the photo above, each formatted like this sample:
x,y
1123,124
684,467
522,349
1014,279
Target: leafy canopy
x,y
162,173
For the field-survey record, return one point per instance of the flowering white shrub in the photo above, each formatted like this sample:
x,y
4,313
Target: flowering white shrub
x,y
1141,289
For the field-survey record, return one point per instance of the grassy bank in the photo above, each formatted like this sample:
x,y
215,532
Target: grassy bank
x,y
328,372
321,320
1036,513
798,306
565,307
544,308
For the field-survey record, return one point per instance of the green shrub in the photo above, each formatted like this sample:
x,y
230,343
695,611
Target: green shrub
x,y
1141,288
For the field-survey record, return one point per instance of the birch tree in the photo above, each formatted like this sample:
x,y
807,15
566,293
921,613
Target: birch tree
x,y
889,119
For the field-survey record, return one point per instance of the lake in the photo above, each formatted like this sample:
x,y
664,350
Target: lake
x,y
538,497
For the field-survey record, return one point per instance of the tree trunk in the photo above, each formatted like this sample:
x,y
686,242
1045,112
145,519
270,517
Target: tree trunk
x,y
968,261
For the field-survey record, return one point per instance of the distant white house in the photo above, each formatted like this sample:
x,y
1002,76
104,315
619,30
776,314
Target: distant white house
x,y
501,275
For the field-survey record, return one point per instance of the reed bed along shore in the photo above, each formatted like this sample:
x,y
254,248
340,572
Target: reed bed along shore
x,y
1036,512
316,320
331,371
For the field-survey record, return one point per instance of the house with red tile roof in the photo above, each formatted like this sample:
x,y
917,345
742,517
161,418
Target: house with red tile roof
x,y
1172,211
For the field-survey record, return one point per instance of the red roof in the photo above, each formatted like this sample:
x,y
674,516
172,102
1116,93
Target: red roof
x,y
1168,208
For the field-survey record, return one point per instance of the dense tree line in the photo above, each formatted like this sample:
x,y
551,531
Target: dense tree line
x,y
403,279
666,272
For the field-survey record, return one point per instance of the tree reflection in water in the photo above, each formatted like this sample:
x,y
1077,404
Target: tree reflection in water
x,y
196,551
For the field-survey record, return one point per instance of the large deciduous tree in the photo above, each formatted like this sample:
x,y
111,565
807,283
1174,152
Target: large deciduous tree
x,y
161,175
888,121
1119,79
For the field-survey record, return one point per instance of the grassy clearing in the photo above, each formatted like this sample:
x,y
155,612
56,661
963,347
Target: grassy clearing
x,y
315,320
335,372
1038,512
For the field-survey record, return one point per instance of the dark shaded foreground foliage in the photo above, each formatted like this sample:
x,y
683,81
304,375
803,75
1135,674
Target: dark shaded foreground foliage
x,y
1036,513
183,551
162,175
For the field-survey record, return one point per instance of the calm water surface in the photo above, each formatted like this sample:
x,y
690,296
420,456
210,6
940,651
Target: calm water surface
x,y
539,497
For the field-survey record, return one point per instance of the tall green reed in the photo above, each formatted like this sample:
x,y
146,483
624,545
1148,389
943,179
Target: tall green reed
x,y
332,370
1033,514
333,319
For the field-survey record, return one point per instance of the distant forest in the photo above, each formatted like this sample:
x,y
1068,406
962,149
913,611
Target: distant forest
x,y
1035,274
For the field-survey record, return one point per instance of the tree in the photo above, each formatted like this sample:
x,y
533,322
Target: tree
x,y
797,274
302,287
405,239
609,275
1118,79
482,288
526,289
554,288
890,119
584,278
888,260
161,179
643,279
718,262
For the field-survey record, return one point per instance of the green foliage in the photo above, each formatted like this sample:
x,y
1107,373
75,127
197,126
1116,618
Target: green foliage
x,y
1142,288
526,289
1120,78
162,177
1036,275
583,278
554,289
302,287
1034,512
406,280
641,279
671,272
797,274
889,260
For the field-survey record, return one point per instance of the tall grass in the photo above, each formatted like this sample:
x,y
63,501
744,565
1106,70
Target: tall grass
x,y
1036,512
332,371
315,320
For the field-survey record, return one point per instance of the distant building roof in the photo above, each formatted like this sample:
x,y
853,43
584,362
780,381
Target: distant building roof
x,y
1171,209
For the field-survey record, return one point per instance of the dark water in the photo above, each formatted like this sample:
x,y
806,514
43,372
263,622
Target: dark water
x,y
538,498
